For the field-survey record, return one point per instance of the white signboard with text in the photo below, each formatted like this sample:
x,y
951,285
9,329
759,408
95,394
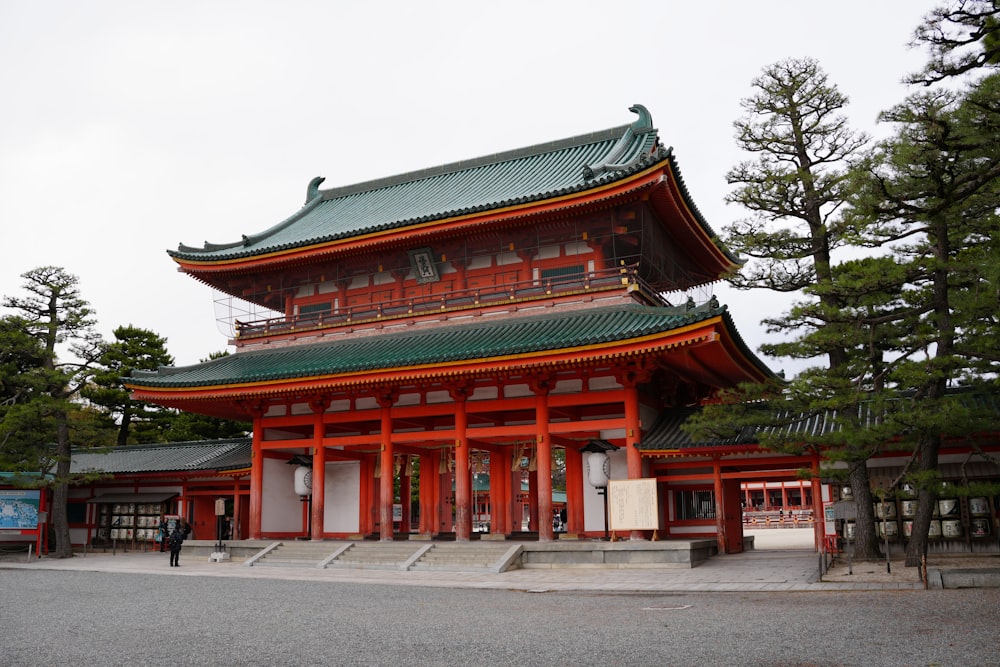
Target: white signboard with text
x,y
632,505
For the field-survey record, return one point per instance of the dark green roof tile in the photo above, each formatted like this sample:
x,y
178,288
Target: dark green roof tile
x,y
488,338
516,177
229,454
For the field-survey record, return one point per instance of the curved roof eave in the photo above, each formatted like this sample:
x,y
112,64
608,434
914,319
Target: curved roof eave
x,y
567,339
554,169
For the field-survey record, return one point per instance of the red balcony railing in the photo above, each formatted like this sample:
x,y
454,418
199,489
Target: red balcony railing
x,y
590,281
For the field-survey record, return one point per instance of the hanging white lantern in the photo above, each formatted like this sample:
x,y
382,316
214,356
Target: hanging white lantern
x,y
599,469
303,481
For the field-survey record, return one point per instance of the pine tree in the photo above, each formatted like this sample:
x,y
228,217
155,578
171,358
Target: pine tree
x,y
930,195
60,320
133,349
795,189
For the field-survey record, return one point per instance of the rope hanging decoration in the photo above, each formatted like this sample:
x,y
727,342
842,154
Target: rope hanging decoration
x,y
447,463
515,463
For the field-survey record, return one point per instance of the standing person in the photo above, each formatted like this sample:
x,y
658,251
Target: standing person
x,y
175,541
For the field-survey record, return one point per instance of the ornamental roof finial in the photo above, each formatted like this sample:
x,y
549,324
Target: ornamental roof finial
x,y
313,190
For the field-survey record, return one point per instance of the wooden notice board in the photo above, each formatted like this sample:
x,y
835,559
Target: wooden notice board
x,y
632,505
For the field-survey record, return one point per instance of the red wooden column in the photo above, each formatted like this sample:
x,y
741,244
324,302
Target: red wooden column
x,y
318,470
632,432
429,492
630,377
463,476
720,524
256,477
574,491
500,495
543,443
386,472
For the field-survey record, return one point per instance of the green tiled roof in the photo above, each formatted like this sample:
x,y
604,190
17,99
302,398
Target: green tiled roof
x,y
485,339
229,454
666,432
496,181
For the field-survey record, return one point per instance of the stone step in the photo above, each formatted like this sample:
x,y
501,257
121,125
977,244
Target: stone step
x,y
377,553
461,556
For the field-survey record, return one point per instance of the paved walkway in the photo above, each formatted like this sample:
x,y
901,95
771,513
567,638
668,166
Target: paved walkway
x,y
771,569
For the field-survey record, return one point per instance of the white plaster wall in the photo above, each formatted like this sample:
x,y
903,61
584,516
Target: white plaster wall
x,y
507,258
549,251
281,509
341,497
574,386
578,248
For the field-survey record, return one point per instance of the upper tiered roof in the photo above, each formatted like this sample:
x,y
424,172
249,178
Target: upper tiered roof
x,y
504,181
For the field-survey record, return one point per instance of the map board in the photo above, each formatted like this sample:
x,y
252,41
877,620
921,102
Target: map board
x,y
19,509
632,505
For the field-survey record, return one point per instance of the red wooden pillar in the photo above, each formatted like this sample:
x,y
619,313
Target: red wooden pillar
x,y
574,490
430,493
720,524
386,472
318,492
399,283
543,442
318,471
463,476
256,480
633,433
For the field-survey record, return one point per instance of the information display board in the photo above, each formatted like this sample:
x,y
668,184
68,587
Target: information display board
x,y
632,505
19,509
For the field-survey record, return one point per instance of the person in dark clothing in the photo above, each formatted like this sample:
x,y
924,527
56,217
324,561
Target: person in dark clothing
x,y
174,543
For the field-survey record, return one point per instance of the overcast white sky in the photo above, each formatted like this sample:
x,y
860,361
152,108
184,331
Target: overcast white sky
x,y
129,127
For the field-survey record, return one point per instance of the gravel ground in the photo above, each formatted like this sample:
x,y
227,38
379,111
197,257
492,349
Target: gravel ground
x,y
62,618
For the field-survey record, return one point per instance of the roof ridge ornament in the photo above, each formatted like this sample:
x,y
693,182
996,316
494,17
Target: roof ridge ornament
x,y
639,140
312,191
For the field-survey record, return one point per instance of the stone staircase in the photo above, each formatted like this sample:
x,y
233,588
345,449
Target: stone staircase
x,y
378,555
295,554
470,557
402,555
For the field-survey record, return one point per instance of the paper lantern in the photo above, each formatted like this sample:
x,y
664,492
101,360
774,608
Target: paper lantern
x,y
599,472
303,481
